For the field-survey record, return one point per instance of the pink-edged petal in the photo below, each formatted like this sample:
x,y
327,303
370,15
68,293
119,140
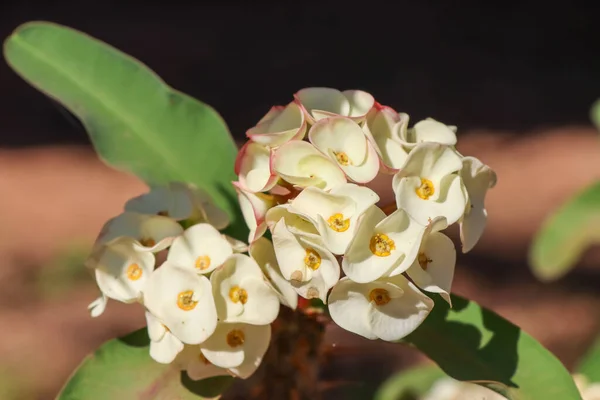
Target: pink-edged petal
x,y
321,102
253,166
254,209
361,103
279,126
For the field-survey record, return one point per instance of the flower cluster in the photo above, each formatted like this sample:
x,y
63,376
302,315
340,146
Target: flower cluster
x,y
304,175
208,306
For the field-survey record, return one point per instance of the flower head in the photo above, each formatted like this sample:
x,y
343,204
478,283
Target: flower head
x,y
279,125
428,130
383,126
320,103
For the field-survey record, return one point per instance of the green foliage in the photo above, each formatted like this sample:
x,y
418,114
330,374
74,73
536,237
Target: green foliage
x,y
590,363
411,384
471,343
566,235
122,369
136,122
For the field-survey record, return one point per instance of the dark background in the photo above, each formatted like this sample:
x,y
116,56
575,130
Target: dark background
x,y
503,66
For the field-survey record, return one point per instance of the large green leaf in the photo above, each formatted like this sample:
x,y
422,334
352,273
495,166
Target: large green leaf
x,y
122,369
410,384
565,235
471,343
590,363
136,122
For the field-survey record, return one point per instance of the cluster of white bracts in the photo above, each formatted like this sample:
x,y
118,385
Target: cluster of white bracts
x,y
208,307
302,176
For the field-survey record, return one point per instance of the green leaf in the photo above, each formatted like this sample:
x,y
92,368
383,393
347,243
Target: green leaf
x,y
136,122
471,343
595,114
565,235
122,369
410,384
590,363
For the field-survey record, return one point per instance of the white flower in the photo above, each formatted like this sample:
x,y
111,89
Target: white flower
x,y
279,125
192,360
433,268
164,346
201,248
451,389
388,308
150,232
478,178
182,300
263,253
180,201
97,307
253,167
428,130
241,293
321,102
344,141
334,214
254,208
429,186
301,164
295,223
382,245
311,268
588,391
382,127
237,347
121,271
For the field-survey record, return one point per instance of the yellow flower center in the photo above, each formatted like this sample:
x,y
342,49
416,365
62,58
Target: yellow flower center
x,y
134,272
381,245
312,259
185,300
202,262
147,242
342,158
236,338
380,296
424,261
426,190
238,295
338,223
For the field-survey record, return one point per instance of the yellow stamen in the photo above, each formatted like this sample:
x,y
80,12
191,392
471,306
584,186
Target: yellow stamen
x,y
380,296
312,259
424,261
338,223
185,300
236,338
203,262
426,190
381,245
238,295
342,158
134,272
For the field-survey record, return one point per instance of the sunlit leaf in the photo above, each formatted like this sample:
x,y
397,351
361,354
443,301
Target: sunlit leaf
x,y
410,384
136,122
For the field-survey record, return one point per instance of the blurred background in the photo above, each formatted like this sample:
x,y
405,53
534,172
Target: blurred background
x,y
517,79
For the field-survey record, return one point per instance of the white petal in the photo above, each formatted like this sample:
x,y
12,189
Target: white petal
x,y
344,141
173,199
295,223
166,348
201,248
322,102
254,208
98,306
240,275
382,125
209,212
236,245
439,257
478,178
153,232
253,167
430,130
197,366
156,329
280,125
362,196
349,308
360,103
263,253
237,345
301,164
402,314
121,271
449,204
183,301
